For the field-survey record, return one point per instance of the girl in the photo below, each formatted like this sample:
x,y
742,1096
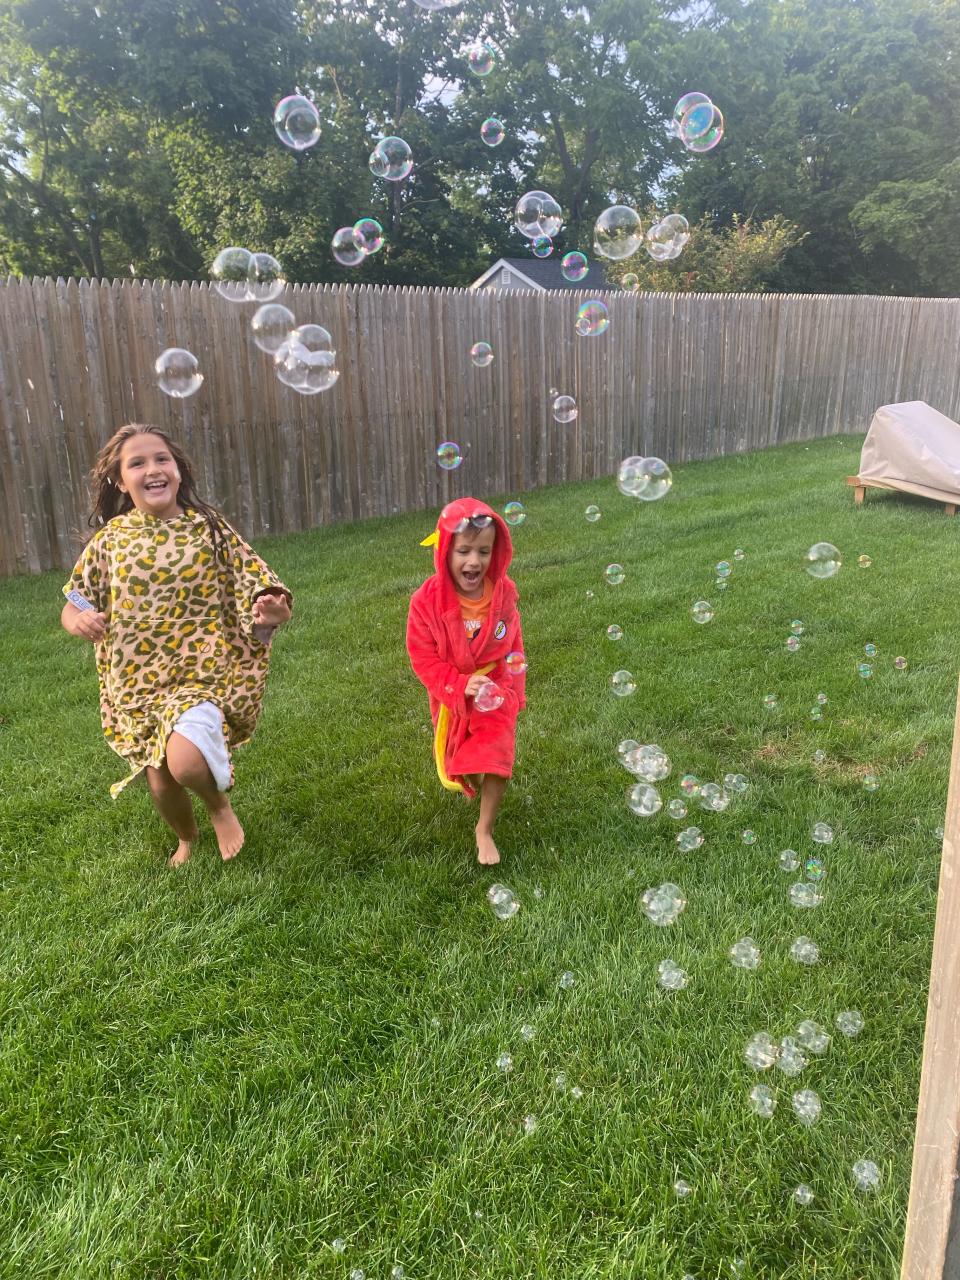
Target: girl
x,y
181,612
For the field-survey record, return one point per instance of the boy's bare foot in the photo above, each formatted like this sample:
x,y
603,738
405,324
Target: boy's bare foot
x,y
229,831
181,854
488,855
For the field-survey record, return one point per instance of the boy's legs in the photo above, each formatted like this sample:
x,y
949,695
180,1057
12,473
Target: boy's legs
x,y
174,806
188,767
491,797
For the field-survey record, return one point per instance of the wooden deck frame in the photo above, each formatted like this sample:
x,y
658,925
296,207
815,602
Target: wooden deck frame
x,y
860,488
932,1224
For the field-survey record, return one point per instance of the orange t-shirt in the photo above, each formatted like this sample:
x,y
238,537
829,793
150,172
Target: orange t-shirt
x,y
474,612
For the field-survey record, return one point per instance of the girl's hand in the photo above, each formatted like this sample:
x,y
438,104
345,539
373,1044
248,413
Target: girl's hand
x,y
474,684
271,609
89,626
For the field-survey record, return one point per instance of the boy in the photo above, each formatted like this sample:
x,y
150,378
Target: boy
x,y
463,622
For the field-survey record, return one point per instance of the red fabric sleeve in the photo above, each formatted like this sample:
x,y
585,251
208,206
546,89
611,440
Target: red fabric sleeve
x,y
442,680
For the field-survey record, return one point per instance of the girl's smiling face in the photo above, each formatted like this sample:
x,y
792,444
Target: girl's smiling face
x,y
469,558
149,474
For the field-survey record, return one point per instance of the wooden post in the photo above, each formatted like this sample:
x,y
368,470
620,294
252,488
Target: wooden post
x,y
935,1151
858,489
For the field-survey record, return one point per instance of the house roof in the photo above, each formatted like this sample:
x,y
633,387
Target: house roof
x,y
545,273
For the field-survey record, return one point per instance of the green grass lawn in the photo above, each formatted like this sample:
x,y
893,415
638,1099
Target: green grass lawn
x,y
215,1073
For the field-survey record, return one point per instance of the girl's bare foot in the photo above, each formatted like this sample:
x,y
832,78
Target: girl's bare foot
x,y
488,855
229,831
181,854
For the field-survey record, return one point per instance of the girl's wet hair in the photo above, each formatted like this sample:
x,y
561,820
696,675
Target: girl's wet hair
x,y
109,501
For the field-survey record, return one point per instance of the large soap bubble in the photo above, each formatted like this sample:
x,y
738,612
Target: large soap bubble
x,y
685,104
574,266
306,361
481,58
265,278
492,131
231,273
392,159
369,233
297,122
178,373
617,233
822,560
593,318
538,214
272,324
347,247
698,137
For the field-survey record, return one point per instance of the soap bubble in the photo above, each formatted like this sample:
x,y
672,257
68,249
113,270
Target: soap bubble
x,y
814,868
805,951
682,1189
864,562
541,247
397,1272
538,214
865,670
347,247
560,1081
871,782
796,627
701,128
702,611
866,1175
683,105
178,373
663,904
614,632
565,410
297,122
370,235
488,697
481,58
676,225
822,560
516,663
514,513
659,480
617,233
671,976
492,131
614,574
574,266
505,1063
527,1032
338,1245
690,785
529,1125
761,1051
803,1194
763,1101
503,901
816,713
806,1103
592,514
850,1022
567,980
231,272
789,860
271,325
265,278
745,954
900,663
631,476
481,354
822,833
735,783
649,762
623,684
448,455
792,643
724,569
713,798
392,159
677,808
870,650
592,318
813,1037
689,838
630,282
804,894
791,1060
644,800
771,701
305,361
822,699
748,836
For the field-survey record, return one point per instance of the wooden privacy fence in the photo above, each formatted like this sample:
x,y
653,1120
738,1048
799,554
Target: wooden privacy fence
x,y
679,375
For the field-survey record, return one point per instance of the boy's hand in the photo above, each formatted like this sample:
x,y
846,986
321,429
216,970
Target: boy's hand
x,y
89,626
474,684
271,609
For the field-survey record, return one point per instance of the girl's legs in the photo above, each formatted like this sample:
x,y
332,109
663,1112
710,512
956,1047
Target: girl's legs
x,y
188,767
175,809
491,797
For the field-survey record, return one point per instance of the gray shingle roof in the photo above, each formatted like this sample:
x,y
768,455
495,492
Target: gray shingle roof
x,y
546,273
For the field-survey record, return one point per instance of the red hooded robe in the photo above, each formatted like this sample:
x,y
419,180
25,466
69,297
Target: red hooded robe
x,y
467,741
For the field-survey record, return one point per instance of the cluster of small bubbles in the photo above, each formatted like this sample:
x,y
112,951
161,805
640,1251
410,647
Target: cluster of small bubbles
x,y
713,798
592,318
592,514
822,833
492,131
514,513
677,808
505,1063
745,954
791,1061
806,1103
481,58
865,670
665,239
567,980
538,214
449,456
735,783
803,1194
789,860
822,560
690,838
724,569
529,1125
565,410
670,976
805,951
870,650
763,1101
690,785
297,122
614,574
813,1037
682,1188
900,663
864,562
503,901
271,326
792,643
178,373
804,894
242,276
623,684
850,1022
814,869
701,611
761,1051
649,762
617,233
748,836
574,266
541,247
391,159
305,361
644,800
614,632
663,904
866,1175
770,701
516,663
697,122
481,354
488,697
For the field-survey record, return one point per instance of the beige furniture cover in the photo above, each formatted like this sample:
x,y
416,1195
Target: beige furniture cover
x,y
914,448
